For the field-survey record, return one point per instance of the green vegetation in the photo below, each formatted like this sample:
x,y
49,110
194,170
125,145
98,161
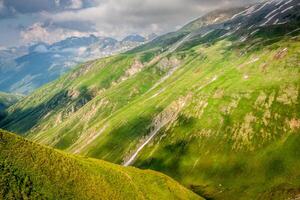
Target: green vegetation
x,y
7,100
32,171
220,114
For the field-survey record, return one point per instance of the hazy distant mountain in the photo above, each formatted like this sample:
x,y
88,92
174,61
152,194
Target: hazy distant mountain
x,y
214,105
24,69
134,38
152,36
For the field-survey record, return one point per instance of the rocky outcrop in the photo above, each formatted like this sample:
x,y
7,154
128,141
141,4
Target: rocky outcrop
x,y
163,119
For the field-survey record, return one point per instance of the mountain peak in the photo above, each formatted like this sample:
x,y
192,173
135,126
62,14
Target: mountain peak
x,y
134,38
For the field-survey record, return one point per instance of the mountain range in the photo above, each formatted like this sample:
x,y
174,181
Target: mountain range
x,y
24,69
214,105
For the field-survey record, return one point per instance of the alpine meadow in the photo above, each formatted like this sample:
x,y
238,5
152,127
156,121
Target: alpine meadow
x,y
209,111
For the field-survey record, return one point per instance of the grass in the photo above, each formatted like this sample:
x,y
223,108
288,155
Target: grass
x,y
32,171
234,135
7,100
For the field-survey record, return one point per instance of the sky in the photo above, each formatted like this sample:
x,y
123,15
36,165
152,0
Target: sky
x,y
27,21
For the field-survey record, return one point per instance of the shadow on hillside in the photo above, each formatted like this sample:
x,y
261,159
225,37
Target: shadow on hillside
x,y
21,121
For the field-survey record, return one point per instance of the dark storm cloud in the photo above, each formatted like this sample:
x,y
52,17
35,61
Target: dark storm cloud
x,y
116,18
32,6
75,25
119,17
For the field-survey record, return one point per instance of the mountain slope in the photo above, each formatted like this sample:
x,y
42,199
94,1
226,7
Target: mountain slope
x,y
134,38
31,171
7,100
216,108
44,63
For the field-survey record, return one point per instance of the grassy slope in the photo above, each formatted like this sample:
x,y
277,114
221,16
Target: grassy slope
x,y
7,100
32,171
237,126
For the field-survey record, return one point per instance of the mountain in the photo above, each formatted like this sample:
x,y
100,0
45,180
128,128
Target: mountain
x,y
22,70
134,38
215,106
7,100
32,171
214,17
151,36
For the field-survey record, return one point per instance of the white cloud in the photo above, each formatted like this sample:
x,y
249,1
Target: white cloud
x,y
57,3
114,18
1,5
35,33
120,17
38,33
76,4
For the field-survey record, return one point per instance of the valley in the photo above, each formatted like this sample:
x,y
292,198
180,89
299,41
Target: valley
x,y
214,105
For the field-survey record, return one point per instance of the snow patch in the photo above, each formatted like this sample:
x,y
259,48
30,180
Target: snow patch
x,y
268,20
245,12
253,32
279,2
243,39
250,27
277,20
268,15
260,8
289,8
285,4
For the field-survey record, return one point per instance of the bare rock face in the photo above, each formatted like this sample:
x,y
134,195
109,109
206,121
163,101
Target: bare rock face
x,y
170,114
135,68
168,63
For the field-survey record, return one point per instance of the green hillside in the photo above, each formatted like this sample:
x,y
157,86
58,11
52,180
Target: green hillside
x,y
32,171
216,109
7,100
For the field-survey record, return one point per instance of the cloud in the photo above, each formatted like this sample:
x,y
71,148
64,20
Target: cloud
x,y
33,6
121,17
38,32
50,20
76,4
35,33
1,5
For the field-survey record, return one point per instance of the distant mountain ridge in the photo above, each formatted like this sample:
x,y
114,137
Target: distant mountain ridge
x,y
134,38
41,63
215,105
